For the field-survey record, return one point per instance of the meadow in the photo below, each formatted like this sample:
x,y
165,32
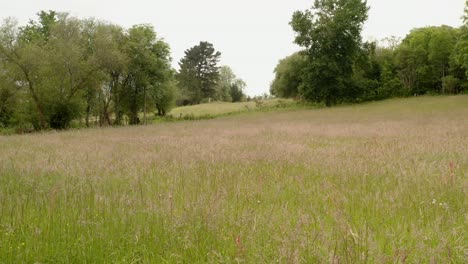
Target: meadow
x,y
216,109
382,182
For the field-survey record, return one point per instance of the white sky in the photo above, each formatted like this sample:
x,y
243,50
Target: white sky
x,y
251,34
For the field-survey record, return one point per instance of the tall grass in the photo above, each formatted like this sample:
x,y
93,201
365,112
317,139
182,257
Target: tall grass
x,y
378,183
223,108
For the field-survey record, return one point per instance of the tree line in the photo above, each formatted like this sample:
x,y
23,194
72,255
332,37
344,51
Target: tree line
x,y
336,66
59,70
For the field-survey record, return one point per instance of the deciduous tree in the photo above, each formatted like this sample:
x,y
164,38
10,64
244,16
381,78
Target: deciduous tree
x,y
331,34
289,76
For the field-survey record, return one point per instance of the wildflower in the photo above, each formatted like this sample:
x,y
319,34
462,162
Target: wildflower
x,y
444,205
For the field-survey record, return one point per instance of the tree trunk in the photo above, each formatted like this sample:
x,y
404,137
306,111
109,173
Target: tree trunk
x,y
144,106
116,98
88,110
39,108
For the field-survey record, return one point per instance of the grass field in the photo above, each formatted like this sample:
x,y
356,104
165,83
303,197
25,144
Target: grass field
x,y
223,108
382,182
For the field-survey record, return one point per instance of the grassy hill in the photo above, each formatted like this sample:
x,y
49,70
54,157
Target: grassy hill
x,y
222,108
383,182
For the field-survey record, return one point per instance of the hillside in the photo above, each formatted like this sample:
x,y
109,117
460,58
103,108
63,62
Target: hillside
x,y
380,182
223,108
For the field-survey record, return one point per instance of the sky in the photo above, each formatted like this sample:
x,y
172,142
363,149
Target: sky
x,y
252,35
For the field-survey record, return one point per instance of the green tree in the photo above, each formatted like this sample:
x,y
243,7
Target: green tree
x,y
164,96
229,87
365,81
109,41
58,69
50,60
390,83
24,59
424,58
226,78
331,33
288,76
39,30
459,57
69,69
199,73
148,67
162,79
9,97
237,90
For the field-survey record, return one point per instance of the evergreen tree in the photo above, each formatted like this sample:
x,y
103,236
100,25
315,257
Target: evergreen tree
x,y
199,73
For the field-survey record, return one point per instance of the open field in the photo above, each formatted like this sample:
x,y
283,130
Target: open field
x,y
223,108
382,182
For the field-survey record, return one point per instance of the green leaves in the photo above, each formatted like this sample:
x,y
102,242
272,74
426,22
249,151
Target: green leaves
x,y
288,76
340,68
66,68
428,55
331,34
199,72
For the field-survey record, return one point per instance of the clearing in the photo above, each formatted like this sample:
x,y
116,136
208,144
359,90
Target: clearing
x,y
382,182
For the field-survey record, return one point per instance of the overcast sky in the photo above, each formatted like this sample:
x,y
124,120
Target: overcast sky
x,y
251,34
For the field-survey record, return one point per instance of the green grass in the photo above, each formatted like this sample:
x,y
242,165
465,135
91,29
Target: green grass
x,y
223,108
382,182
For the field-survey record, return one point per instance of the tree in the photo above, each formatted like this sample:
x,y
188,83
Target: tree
x,y
288,76
58,69
365,81
52,60
109,41
148,68
424,58
199,73
226,78
237,90
23,57
164,96
459,57
229,87
390,84
331,33
9,94
69,69
162,79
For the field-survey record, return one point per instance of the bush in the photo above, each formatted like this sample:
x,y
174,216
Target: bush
x,y
464,87
62,114
450,84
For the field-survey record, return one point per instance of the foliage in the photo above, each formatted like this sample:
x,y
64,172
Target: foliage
x,y
331,34
340,68
149,68
424,58
460,53
236,90
226,79
199,73
164,97
217,109
60,68
229,87
288,76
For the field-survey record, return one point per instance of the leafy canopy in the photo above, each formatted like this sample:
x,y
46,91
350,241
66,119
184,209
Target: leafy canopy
x,y
331,34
